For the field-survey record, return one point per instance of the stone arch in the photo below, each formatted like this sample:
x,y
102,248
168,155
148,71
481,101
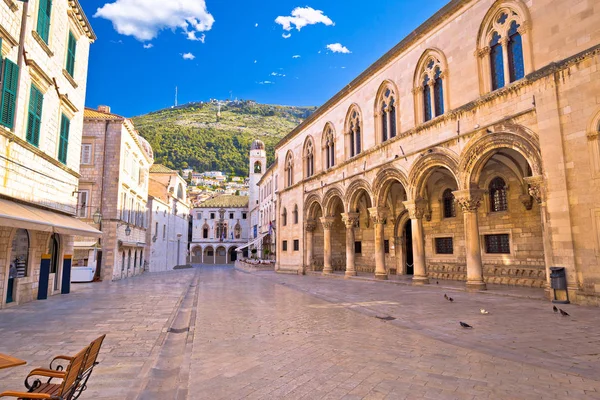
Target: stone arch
x,y
425,166
310,206
386,85
425,57
329,198
384,179
308,157
354,131
353,192
486,24
431,60
328,140
402,218
289,168
482,147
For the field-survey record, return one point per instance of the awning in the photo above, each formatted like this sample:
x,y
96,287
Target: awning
x,y
85,245
124,243
255,241
18,215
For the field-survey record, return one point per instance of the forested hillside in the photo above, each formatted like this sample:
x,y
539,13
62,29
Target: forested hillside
x,y
192,136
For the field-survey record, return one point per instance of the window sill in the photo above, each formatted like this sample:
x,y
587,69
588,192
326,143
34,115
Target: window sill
x,y
70,79
42,44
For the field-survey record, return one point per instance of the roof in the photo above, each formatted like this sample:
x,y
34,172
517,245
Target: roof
x,y
82,19
378,65
160,169
225,201
95,114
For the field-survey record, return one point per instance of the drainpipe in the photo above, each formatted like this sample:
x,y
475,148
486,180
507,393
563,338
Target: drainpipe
x,y
101,206
20,55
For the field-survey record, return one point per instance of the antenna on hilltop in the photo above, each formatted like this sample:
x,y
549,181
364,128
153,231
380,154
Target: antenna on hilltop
x,y
175,96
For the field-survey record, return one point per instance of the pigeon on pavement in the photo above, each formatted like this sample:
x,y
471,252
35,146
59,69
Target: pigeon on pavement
x,y
451,299
445,296
563,313
465,325
555,309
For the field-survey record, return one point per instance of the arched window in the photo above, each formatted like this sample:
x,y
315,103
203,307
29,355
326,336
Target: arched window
x,y
284,217
309,158
430,86
448,204
329,146
385,110
498,197
180,191
295,214
503,44
238,230
289,170
257,167
354,131
205,231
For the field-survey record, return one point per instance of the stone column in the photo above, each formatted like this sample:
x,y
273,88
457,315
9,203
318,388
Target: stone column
x,y
430,85
378,216
310,227
469,200
327,223
416,210
350,220
400,263
504,44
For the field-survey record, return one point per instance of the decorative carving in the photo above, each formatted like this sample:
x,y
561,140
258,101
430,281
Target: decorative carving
x,y
310,225
469,200
378,214
527,201
327,222
416,209
483,52
350,219
537,187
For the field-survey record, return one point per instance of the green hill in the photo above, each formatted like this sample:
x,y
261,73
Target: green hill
x,y
190,136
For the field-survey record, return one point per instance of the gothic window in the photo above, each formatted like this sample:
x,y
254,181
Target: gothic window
x,y
386,110
431,86
309,158
354,132
329,146
284,217
289,169
498,197
205,231
448,204
295,212
502,45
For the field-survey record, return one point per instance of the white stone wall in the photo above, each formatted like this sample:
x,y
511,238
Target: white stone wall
x,y
171,233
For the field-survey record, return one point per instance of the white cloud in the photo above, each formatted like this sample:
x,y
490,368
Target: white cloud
x,y
343,67
191,35
255,61
302,17
256,25
277,74
286,35
296,56
144,19
338,48
188,56
266,83
148,46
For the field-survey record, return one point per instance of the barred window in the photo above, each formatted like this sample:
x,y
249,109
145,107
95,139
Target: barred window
x,y
386,246
444,245
497,244
498,198
284,245
358,247
296,244
448,204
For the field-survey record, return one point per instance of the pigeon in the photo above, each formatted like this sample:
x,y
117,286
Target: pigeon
x,y
437,283
563,313
465,325
445,296
483,311
451,299
555,309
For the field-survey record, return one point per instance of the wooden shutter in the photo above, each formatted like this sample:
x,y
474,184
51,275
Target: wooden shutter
x,y
63,146
71,49
43,23
9,93
34,118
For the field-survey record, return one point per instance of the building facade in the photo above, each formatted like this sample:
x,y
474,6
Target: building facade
x,y
168,218
470,151
44,64
115,161
267,212
219,227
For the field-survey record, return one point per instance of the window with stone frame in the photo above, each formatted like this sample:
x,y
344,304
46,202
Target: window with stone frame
x,y
296,245
448,204
497,244
329,146
358,247
385,112
205,229
386,246
444,245
284,217
295,212
430,86
289,169
354,131
498,195
309,158
284,245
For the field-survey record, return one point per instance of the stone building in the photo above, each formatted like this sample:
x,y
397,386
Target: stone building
x,y
470,151
44,63
219,227
168,212
115,161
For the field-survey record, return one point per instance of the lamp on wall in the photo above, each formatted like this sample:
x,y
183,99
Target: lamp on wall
x,y
127,228
97,217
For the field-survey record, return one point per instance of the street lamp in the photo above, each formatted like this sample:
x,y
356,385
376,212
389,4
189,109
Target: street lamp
x,y
97,217
127,229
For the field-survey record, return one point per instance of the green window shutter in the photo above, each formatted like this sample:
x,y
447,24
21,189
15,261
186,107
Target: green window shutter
x,y
43,23
34,117
63,145
72,47
10,82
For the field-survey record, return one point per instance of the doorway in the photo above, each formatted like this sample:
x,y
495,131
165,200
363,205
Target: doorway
x,y
407,233
54,250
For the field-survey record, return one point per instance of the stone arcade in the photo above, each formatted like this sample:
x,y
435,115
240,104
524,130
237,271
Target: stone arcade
x,y
468,152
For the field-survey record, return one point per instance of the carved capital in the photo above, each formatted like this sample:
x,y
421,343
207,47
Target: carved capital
x,y
527,201
483,52
523,28
327,222
310,225
504,41
469,200
416,209
378,214
350,219
537,188
417,90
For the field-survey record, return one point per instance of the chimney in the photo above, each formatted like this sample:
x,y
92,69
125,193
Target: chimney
x,y
104,109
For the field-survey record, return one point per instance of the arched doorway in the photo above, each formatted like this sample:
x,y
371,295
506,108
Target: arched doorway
x,y
54,251
361,238
334,240
134,260
18,263
128,261
197,255
221,256
232,255
314,248
408,260
209,255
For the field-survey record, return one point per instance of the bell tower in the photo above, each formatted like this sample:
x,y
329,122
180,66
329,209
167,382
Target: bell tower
x,y
257,167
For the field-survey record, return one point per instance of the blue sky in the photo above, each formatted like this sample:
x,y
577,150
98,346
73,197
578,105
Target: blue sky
x,y
238,47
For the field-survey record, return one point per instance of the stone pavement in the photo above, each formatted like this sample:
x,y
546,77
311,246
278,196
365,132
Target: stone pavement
x,y
261,335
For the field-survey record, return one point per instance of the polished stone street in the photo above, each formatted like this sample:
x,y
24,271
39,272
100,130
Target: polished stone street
x,y
217,333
